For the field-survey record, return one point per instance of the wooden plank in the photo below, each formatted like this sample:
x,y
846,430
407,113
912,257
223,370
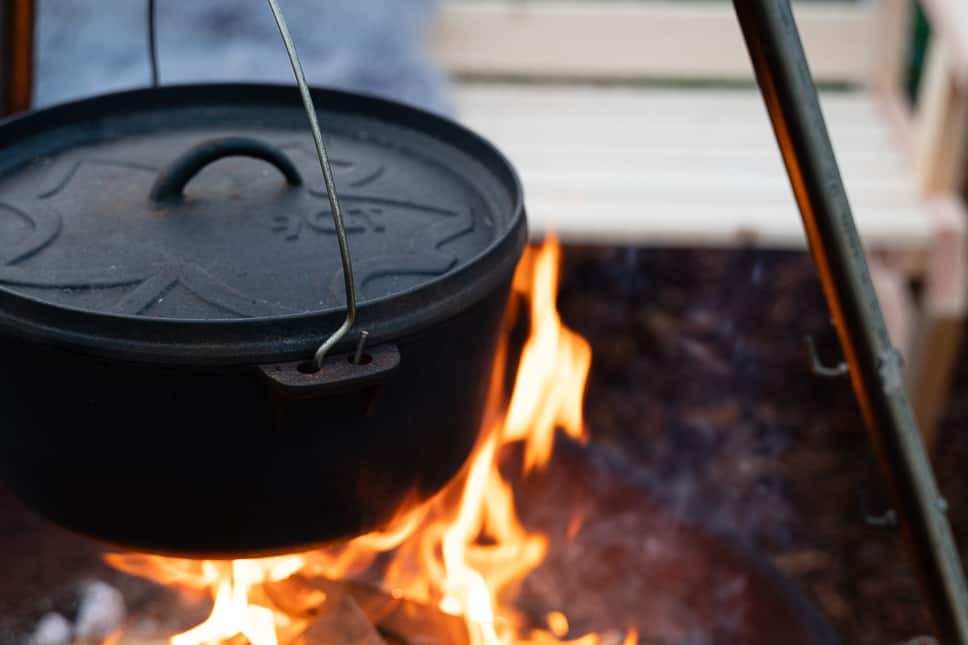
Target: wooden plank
x,y
705,112
630,100
897,303
941,338
899,117
686,167
949,18
619,132
671,39
941,329
892,30
947,290
859,163
734,188
710,122
941,129
606,219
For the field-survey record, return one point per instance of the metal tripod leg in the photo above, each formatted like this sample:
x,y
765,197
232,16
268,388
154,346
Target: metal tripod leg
x,y
874,365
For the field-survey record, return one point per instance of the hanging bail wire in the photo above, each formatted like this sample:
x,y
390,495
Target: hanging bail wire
x,y
328,179
152,18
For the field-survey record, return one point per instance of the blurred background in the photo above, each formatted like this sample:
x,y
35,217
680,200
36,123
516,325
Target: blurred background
x,y
644,146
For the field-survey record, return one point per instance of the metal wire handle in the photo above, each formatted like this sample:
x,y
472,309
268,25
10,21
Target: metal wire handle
x,y
344,247
324,164
153,42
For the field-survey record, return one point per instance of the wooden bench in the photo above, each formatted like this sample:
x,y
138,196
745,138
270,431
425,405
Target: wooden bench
x,y
638,123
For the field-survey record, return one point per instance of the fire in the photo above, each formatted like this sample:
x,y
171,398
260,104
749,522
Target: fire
x,y
550,385
465,550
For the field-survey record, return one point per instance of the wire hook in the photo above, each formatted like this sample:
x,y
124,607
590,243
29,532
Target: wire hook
x,y
817,367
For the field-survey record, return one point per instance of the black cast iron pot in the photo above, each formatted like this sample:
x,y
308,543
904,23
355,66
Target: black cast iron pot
x,y
167,266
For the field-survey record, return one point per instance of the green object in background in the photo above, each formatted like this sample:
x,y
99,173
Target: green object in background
x,y
920,38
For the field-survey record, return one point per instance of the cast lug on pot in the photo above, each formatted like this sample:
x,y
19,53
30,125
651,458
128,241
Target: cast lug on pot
x,y
338,372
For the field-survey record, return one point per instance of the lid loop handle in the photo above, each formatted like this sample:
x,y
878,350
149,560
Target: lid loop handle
x,y
170,185
344,249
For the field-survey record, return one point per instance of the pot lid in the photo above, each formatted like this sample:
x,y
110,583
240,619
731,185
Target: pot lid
x,y
190,223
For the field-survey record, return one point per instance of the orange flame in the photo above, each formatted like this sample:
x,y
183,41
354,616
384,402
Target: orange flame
x,y
464,550
550,385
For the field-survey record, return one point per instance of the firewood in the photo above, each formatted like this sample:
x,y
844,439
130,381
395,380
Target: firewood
x,y
142,639
152,638
298,597
340,622
411,621
156,639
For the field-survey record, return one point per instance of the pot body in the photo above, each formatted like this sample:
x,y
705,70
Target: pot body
x,y
213,462
165,257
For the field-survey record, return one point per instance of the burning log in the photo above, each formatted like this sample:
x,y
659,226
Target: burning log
x,y
340,621
336,618
330,617
314,599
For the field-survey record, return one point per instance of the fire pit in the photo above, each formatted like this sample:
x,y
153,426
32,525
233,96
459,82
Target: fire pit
x,y
522,547
630,562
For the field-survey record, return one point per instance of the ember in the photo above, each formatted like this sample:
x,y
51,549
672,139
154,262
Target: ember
x,y
464,552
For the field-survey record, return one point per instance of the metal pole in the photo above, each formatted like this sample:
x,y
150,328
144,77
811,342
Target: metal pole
x,y
16,55
875,366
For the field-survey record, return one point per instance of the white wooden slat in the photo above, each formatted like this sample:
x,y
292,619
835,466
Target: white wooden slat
x,y
736,188
893,31
730,134
750,121
654,132
950,21
680,39
641,130
738,103
725,122
941,125
735,114
688,167
557,156
618,221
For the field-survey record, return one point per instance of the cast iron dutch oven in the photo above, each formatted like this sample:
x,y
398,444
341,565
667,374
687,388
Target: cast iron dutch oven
x,y
168,264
